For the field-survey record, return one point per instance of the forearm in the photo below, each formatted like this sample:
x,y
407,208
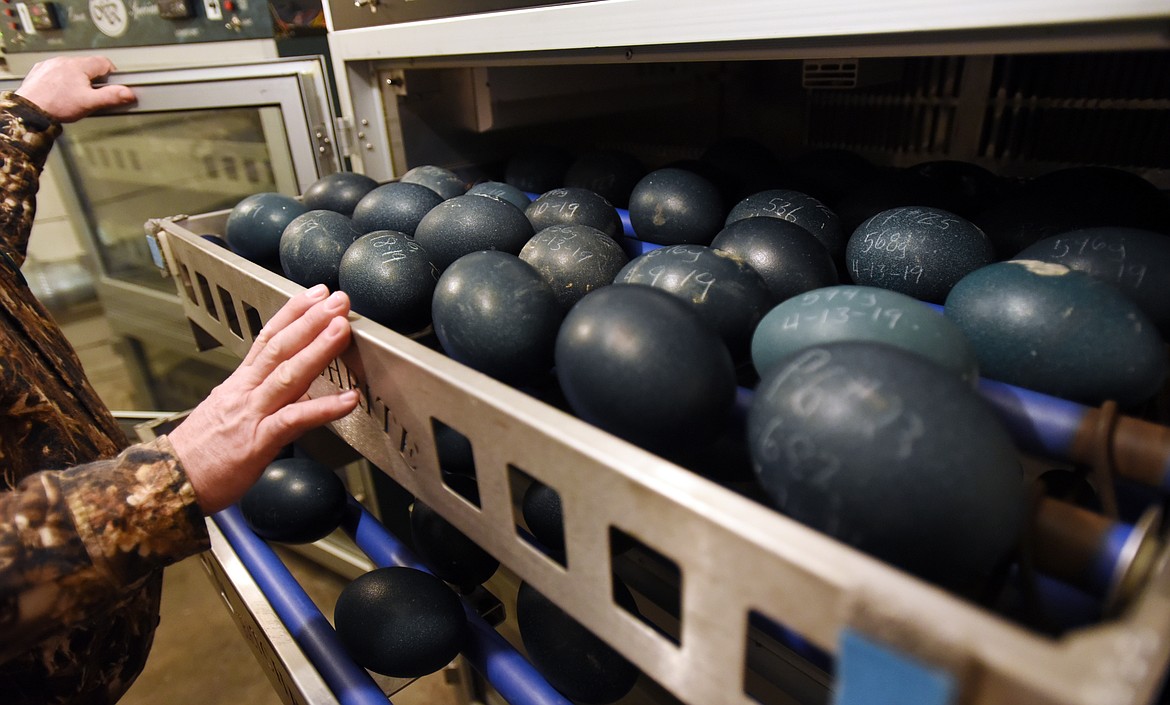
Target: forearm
x,y
27,134
72,540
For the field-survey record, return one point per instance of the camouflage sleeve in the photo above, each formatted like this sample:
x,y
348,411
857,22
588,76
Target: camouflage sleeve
x,y
26,129
72,540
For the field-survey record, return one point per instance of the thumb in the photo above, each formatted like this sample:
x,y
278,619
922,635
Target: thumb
x,y
111,96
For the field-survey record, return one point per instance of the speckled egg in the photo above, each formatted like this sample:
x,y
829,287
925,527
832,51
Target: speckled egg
x,y
1049,328
861,313
920,252
574,260
727,294
797,207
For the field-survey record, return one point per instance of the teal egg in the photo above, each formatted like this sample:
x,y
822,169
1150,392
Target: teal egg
x,y
1058,331
1136,261
861,313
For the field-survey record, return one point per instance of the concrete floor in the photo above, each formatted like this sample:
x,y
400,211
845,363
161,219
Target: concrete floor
x,y
199,655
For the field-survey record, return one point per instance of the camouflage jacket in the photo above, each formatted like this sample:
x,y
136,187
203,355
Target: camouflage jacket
x,y
86,523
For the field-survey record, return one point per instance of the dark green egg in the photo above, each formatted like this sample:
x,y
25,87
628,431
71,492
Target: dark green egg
x,y
861,313
1135,261
1049,328
892,455
917,251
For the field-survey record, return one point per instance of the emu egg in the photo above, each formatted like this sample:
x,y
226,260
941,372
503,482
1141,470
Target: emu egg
x,y
400,622
312,246
861,313
295,500
574,260
1135,261
1058,331
674,207
396,206
573,659
920,252
256,223
574,206
727,294
789,258
638,362
494,313
466,224
339,192
891,454
390,279
795,207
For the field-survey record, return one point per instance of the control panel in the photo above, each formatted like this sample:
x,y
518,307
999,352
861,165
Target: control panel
x,y
64,25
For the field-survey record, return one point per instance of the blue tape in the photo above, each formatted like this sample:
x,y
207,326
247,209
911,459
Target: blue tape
x,y
869,673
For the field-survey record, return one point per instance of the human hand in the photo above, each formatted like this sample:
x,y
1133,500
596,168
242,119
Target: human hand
x,y
63,87
228,440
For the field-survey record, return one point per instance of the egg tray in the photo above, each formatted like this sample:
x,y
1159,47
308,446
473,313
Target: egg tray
x,y
735,557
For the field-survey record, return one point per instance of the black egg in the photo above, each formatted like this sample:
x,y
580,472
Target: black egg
x,y
456,456
390,279
575,661
538,168
446,550
395,206
968,187
1046,327
675,207
790,259
574,206
541,509
726,293
740,166
892,454
797,207
828,174
920,252
611,174
638,362
502,191
494,313
1103,195
574,260
338,192
400,622
1135,261
295,500
442,181
466,224
892,188
312,246
1015,223
256,223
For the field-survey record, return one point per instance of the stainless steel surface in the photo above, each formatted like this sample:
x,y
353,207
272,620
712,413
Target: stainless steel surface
x,y
798,577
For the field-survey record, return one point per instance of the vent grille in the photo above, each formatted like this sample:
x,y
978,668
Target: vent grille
x,y
830,73
913,113
1111,109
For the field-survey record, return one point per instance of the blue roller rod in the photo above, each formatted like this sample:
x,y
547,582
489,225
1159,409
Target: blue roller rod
x,y
501,665
350,683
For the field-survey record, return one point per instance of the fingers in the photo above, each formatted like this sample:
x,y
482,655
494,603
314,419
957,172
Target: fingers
x,y
292,311
291,378
294,420
93,66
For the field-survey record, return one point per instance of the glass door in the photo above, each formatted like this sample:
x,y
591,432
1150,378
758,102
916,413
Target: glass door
x,y
197,140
